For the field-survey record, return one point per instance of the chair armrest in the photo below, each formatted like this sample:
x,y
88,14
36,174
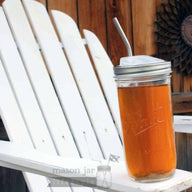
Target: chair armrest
x,y
28,159
183,124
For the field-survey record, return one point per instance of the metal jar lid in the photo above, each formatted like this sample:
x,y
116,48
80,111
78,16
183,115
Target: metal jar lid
x,y
141,66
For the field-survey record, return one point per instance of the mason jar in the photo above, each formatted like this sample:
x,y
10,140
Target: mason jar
x,y
104,176
146,115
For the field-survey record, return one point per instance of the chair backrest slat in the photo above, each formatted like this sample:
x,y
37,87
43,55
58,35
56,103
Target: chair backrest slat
x,y
16,127
42,87
10,112
22,89
88,84
104,68
64,82
39,78
24,122
64,112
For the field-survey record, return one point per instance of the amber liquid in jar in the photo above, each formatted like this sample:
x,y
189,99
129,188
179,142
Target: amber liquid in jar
x,y
147,123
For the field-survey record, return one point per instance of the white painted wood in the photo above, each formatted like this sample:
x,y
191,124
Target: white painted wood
x,y
10,113
16,128
63,80
88,84
180,182
35,161
183,124
30,110
64,83
22,89
39,78
104,68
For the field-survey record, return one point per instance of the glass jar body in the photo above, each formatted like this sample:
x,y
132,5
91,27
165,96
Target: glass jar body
x,y
147,122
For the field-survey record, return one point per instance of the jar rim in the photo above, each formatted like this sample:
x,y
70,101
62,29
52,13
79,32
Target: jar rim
x,y
144,74
141,66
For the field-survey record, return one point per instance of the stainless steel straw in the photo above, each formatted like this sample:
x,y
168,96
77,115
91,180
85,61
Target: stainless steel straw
x,y
123,36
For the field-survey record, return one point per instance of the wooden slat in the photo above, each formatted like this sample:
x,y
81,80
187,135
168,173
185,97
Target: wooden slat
x,y
64,82
104,69
42,85
177,81
91,15
189,152
39,78
67,6
182,102
181,146
12,118
88,84
187,83
29,107
121,10
42,1
144,15
9,109
20,82
38,131
16,127
182,124
187,86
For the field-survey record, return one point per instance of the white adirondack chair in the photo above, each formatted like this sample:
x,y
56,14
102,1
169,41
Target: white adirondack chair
x,y
64,121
